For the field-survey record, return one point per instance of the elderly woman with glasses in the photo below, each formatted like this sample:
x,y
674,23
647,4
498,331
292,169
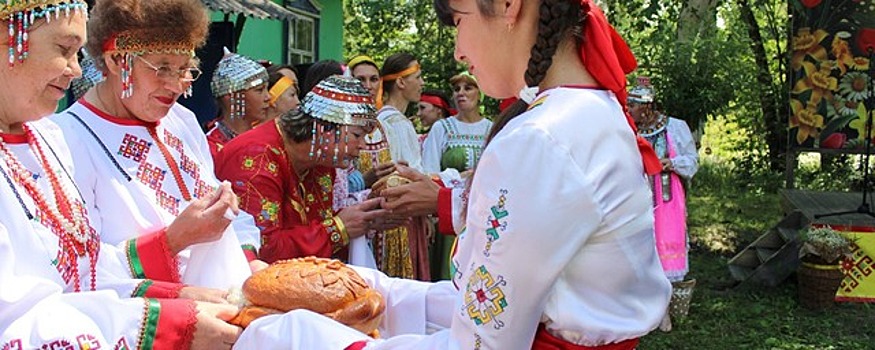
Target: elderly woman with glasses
x,y
140,157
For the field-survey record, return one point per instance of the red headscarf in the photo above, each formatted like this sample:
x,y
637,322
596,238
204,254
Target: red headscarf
x,y
608,59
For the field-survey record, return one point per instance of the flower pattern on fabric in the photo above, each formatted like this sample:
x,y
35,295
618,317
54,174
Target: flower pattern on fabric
x,y
484,298
495,222
269,210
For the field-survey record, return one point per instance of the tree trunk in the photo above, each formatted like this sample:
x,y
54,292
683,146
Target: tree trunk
x,y
696,18
772,122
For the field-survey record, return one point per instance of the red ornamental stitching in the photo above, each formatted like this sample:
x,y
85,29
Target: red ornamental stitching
x,y
201,189
62,344
14,344
134,148
151,175
121,344
189,166
168,202
172,141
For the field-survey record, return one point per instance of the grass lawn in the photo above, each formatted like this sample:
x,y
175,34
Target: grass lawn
x,y
723,219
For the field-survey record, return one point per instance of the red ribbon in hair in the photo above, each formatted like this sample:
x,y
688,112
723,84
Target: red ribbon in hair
x,y
437,102
608,59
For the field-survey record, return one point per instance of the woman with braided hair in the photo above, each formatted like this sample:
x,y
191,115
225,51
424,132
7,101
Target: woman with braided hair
x,y
558,249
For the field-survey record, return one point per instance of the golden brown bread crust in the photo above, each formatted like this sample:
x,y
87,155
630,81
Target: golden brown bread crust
x,y
389,181
321,285
249,313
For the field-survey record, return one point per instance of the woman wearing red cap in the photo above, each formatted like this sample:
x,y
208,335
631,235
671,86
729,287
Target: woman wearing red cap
x,y
558,250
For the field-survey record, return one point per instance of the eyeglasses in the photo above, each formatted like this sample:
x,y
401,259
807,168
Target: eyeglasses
x,y
187,75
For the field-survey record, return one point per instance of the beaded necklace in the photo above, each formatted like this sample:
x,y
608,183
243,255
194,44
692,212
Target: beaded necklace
x,y
67,218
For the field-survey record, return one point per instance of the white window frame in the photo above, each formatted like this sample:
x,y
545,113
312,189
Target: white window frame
x,y
293,49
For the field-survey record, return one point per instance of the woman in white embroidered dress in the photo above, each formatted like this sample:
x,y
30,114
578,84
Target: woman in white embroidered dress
x,y
142,156
558,250
59,286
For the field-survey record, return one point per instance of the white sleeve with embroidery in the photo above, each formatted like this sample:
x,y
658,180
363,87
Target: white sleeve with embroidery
x,y
522,231
686,159
35,314
433,148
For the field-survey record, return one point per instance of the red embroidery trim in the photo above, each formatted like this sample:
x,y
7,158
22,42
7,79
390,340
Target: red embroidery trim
x,y
174,168
67,219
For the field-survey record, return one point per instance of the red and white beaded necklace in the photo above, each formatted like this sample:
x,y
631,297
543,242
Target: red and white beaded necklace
x,y
67,218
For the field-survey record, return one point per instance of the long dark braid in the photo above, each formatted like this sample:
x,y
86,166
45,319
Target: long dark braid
x,y
557,19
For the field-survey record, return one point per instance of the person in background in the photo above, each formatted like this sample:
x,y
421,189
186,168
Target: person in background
x,y
318,71
240,87
558,249
402,252
60,287
140,158
283,90
284,172
456,142
673,143
366,70
433,106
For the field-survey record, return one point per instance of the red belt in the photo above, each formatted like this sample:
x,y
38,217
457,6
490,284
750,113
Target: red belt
x,y
546,341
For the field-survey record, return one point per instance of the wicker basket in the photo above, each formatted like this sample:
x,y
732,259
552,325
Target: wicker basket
x,y
818,285
681,295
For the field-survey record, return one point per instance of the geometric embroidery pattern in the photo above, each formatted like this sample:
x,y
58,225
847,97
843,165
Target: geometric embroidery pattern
x,y
14,344
172,141
168,202
189,166
121,344
61,344
269,211
201,189
856,269
495,222
134,148
484,298
151,175
88,342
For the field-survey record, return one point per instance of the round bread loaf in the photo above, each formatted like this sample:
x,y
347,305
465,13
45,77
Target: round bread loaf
x,y
392,180
321,285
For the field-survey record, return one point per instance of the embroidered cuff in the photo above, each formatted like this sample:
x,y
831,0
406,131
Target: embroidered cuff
x,y
150,257
167,324
445,211
157,289
250,252
336,233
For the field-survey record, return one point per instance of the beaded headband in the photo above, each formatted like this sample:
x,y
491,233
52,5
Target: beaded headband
x,y
20,15
340,100
139,42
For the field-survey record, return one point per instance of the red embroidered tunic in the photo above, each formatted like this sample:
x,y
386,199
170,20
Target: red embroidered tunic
x,y
295,214
216,140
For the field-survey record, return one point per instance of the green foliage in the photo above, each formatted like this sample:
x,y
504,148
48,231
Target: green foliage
x,y
379,28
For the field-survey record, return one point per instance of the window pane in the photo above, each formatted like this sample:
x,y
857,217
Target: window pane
x,y
304,35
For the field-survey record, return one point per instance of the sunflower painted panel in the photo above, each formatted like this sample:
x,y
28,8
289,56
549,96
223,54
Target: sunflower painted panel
x,y
830,80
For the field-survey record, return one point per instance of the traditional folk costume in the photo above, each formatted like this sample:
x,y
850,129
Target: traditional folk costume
x,y
598,256
49,251
671,139
598,282
233,76
451,144
295,212
402,251
138,176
